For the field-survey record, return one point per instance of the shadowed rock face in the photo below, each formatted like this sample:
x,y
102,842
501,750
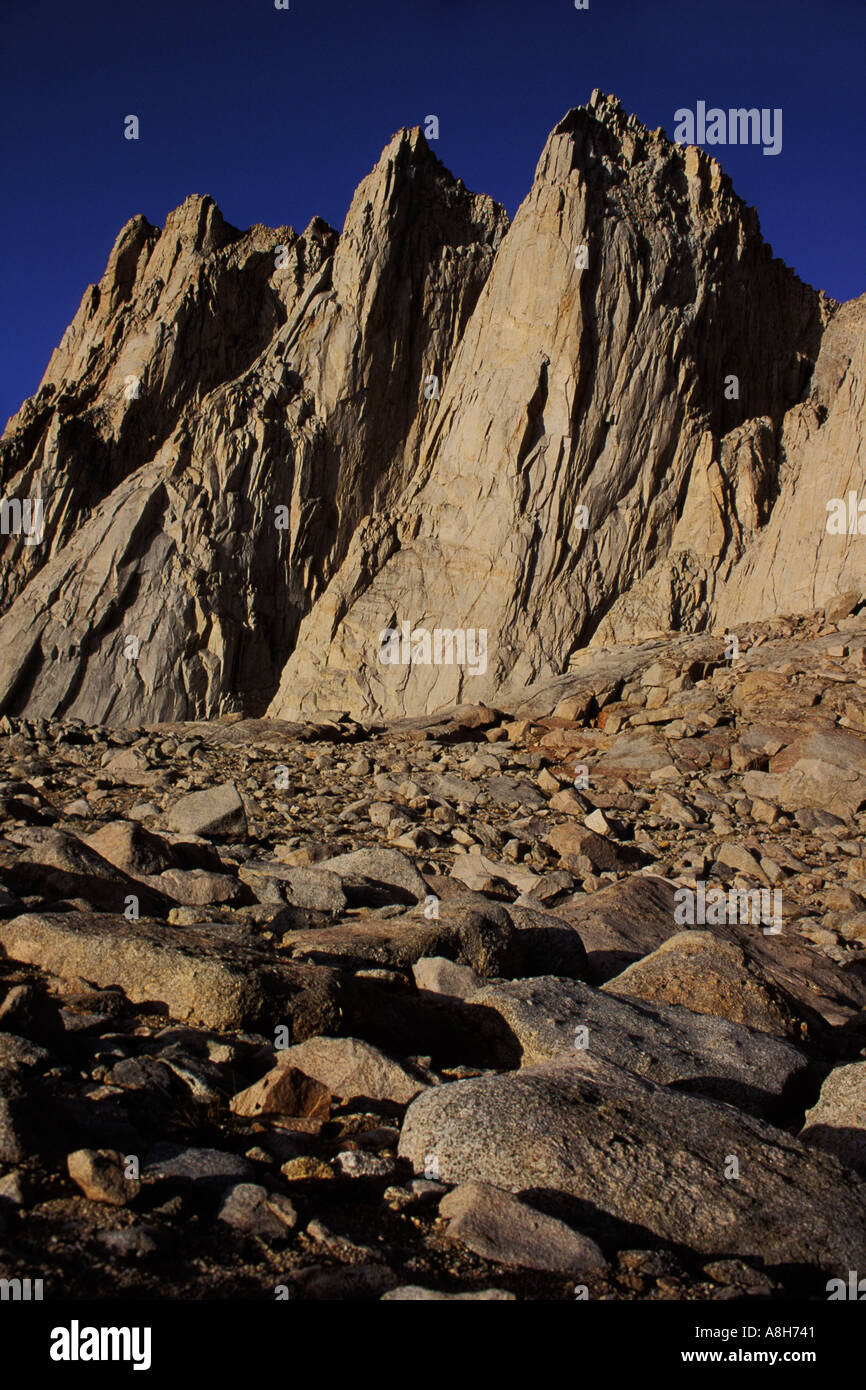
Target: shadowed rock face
x,y
248,471
264,370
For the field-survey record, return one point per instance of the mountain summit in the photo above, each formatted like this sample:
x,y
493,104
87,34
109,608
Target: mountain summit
x,y
258,451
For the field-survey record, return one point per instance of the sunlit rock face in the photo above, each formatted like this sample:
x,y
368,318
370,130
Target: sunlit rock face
x,y
259,453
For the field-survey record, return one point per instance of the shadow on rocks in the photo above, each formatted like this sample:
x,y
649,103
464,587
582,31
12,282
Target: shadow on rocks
x,y
447,1030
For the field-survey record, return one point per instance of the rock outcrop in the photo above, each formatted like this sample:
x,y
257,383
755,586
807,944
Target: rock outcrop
x,y
600,388
258,451
224,414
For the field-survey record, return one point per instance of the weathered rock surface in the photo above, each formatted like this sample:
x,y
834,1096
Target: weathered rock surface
x,y
350,1067
493,1224
461,934
183,1164
217,811
378,868
443,976
101,1176
58,864
128,846
796,563
671,1046
209,329
134,1036
285,1090
647,1155
622,922
557,424
197,975
710,976
211,365
249,1208
837,1122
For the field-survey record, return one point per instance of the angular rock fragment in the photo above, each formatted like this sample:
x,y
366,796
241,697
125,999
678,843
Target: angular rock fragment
x,y
254,1211
621,922
477,871
197,887
131,848
285,1090
351,1068
101,1175
371,875
498,1227
585,852
20,1055
55,864
443,976
186,1164
315,889
217,811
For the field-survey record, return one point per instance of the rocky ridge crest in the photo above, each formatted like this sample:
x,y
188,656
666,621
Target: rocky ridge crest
x,y
576,475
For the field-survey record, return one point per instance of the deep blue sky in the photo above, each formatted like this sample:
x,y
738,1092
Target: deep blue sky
x,y
279,114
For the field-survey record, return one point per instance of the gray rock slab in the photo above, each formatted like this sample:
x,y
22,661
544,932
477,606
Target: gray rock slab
x,y
669,1045
647,1155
